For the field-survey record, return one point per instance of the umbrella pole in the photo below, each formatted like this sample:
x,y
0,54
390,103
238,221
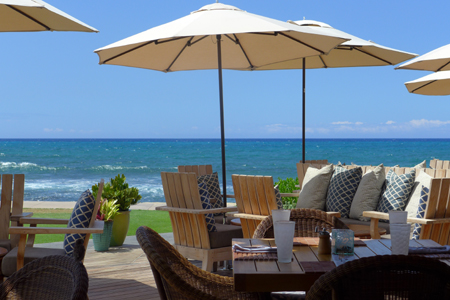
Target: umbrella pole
x,y
304,109
222,123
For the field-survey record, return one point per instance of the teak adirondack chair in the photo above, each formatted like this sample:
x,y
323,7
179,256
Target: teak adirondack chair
x,y
11,208
95,226
436,222
187,215
440,164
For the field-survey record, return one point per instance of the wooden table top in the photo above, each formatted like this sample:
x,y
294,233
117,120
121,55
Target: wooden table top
x,y
307,265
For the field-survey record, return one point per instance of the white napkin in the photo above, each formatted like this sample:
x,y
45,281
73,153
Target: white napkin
x,y
257,249
429,250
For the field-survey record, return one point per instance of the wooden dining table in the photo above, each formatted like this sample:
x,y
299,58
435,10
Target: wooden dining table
x,y
268,275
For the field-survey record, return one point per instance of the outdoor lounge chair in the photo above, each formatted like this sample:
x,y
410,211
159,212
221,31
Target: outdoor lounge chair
x,y
26,253
56,277
440,164
11,208
177,278
190,222
306,220
385,277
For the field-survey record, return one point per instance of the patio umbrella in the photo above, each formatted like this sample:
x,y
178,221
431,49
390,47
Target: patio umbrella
x,y
435,84
37,15
217,36
355,52
436,60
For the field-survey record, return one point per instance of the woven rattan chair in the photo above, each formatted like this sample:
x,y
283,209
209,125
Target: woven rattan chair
x,y
54,277
385,277
177,278
306,221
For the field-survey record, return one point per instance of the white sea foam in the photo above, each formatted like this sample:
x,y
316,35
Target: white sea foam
x,y
23,165
113,168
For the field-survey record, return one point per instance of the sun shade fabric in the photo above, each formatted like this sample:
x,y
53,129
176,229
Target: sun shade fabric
x,y
212,184
435,60
80,218
206,204
368,193
342,189
424,195
314,188
42,17
398,189
435,84
248,42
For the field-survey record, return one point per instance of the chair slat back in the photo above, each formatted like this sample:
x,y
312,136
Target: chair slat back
x,y
181,191
199,170
438,206
254,195
11,203
440,164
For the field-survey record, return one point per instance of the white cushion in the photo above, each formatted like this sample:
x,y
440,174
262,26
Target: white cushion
x,y
422,180
368,193
422,165
314,188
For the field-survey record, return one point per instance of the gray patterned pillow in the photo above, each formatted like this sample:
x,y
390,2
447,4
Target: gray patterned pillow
x,y
398,189
342,189
425,192
278,197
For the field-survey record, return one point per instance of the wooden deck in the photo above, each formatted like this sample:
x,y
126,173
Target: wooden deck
x,y
121,273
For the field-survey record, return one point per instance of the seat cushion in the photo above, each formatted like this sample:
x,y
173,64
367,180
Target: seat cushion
x,y
224,234
368,193
342,189
5,244
398,189
80,218
9,263
314,188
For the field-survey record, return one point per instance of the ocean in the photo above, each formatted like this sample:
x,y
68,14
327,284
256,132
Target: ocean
x,y
60,170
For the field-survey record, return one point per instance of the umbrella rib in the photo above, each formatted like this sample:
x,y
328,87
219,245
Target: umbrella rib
x,y
443,66
29,17
423,86
323,62
374,56
188,43
303,43
128,51
242,49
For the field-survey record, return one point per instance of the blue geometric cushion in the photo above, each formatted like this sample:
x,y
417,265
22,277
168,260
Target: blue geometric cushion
x,y
342,189
421,211
212,182
278,197
398,189
206,204
80,218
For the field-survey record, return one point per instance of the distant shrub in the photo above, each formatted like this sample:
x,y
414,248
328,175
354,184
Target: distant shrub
x,y
288,186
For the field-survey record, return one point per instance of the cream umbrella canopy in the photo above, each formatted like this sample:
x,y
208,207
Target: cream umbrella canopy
x,y
435,84
217,36
436,60
37,15
355,52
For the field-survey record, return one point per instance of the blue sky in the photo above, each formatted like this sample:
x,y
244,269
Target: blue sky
x,y
53,87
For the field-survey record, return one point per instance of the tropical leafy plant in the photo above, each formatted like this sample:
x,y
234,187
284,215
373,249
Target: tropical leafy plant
x,y
108,210
118,189
288,186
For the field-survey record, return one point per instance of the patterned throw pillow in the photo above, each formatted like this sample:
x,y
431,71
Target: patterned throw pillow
x,y
396,194
212,183
421,212
278,197
80,218
342,189
206,204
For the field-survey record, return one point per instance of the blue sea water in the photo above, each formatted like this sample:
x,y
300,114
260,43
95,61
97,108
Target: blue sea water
x,y
60,170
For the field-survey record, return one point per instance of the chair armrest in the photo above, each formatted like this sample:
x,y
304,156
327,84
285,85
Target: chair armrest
x,y
334,214
196,211
230,196
43,221
16,218
97,228
246,216
290,194
376,215
385,216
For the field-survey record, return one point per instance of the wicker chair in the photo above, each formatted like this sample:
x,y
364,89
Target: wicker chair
x,y
177,278
306,221
55,277
385,277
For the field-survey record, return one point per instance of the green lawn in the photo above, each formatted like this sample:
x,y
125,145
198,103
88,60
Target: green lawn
x,y
157,220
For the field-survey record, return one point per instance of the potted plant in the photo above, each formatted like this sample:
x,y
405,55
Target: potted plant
x,y
106,213
126,196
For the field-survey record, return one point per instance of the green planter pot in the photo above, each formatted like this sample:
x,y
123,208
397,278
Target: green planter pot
x,y
120,228
102,240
